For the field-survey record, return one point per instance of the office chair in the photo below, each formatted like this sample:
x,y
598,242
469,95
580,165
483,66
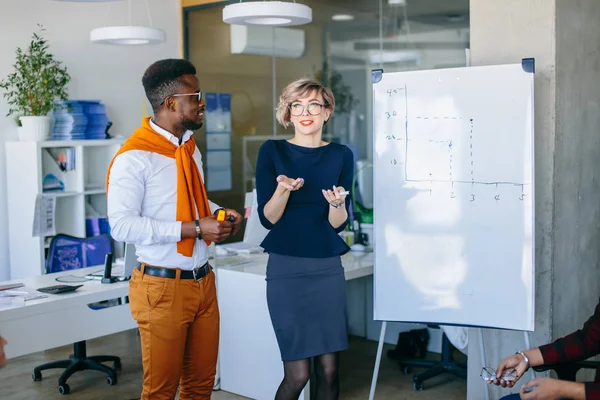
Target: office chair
x,y
436,367
568,371
69,253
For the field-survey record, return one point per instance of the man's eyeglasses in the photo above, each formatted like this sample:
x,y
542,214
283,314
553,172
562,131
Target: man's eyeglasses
x,y
313,109
489,374
199,94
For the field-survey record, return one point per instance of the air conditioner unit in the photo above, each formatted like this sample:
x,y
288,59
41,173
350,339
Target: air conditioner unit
x,y
267,41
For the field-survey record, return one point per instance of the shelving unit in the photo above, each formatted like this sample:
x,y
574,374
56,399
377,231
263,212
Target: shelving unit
x,y
27,163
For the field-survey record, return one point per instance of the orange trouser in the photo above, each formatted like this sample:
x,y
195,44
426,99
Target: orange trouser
x,y
178,321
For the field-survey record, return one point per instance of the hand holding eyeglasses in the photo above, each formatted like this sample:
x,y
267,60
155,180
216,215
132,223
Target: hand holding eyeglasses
x,y
490,375
515,364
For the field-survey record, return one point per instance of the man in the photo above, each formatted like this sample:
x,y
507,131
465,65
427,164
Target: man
x,y
577,346
157,200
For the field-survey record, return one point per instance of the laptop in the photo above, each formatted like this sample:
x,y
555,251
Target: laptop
x,y
130,261
120,270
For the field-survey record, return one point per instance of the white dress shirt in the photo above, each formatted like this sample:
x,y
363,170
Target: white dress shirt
x,y
142,206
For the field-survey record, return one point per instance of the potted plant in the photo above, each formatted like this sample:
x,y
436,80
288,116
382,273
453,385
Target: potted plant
x,y
37,82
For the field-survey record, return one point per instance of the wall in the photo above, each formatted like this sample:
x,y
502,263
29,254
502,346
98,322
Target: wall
x,y
562,35
577,164
506,32
111,74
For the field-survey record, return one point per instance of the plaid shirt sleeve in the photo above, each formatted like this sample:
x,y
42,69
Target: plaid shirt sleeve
x,y
592,391
577,346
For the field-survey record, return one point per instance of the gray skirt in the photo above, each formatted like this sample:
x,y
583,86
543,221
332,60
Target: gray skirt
x,y
307,304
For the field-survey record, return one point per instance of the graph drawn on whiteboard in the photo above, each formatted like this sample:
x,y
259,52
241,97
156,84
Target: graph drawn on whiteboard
x,y
435,147
453,196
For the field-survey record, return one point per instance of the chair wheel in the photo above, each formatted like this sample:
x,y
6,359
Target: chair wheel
x,y
418,386
37,376
64,389
111,380
405,369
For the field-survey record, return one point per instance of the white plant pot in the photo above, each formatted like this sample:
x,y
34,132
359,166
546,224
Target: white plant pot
x,y
35,128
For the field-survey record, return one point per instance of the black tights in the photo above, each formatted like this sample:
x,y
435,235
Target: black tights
x,y
297,373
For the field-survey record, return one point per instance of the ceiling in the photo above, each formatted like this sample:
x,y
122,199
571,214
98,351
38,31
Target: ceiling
x,y
422,15
369,9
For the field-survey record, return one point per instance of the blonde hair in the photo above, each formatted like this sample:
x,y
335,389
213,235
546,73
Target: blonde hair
x,y
298,89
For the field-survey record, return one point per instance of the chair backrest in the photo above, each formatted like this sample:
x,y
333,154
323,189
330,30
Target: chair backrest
x,y
70,252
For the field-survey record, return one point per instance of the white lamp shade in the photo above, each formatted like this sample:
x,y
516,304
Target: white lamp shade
x,y
272,13
127,35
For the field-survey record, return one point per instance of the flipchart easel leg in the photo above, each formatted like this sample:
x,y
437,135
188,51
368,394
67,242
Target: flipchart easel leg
x,y
482,357
377,360
528,346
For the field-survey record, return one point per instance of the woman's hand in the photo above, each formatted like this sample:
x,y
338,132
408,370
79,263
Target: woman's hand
x,y
335,197
276,205
289,183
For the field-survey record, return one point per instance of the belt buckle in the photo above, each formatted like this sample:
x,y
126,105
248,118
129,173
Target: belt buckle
x,y
195,271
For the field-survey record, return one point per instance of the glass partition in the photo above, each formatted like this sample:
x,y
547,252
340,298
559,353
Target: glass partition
x,y
345,41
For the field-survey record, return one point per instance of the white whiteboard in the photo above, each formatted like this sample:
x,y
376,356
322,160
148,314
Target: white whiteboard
x,y
453,197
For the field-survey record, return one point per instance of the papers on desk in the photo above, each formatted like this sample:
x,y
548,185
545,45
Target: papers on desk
x,y
13,285
10,302
17,295
223,262
238,248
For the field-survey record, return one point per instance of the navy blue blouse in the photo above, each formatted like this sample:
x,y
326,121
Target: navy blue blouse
x,y
304,229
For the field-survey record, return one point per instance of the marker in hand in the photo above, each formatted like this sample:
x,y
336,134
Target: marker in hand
x,y
221,214
346,193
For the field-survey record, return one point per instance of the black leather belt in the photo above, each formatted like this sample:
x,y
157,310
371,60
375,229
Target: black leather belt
x,y
196,274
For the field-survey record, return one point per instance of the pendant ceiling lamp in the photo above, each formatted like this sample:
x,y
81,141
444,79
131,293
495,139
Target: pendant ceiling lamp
x,y
129,35
86,1
267,13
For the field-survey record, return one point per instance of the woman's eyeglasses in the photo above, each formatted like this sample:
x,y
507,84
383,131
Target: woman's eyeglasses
x,y
199,94
313,109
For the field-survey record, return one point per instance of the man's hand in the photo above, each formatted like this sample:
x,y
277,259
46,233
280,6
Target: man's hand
x,y
238,220
515,361
552,389
215,231
3,360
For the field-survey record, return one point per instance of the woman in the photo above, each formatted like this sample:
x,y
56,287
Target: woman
x,y
301,191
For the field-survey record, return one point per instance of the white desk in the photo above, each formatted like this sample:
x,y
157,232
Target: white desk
x,y
64,319
249,359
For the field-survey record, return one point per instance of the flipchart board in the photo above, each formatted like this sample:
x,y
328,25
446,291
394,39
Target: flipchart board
x,y
453,196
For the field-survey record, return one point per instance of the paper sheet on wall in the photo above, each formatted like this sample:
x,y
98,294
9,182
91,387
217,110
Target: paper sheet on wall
x,y
218,142
44,219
